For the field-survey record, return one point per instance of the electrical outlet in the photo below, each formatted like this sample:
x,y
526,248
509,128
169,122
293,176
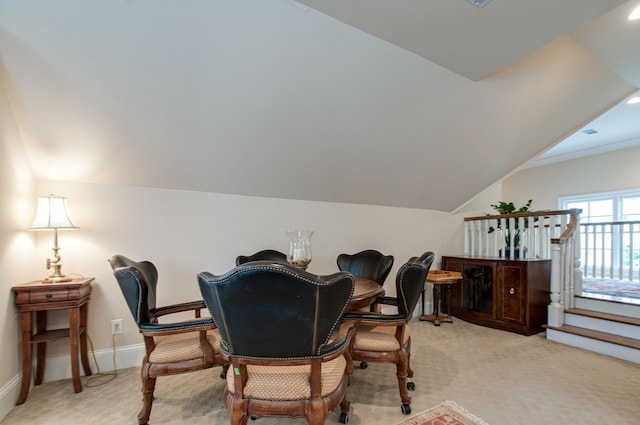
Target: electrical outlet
x,y
116,327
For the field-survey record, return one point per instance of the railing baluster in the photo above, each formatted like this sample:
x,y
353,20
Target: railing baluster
x,y
577,252
602,248
617,261
631,234
586,261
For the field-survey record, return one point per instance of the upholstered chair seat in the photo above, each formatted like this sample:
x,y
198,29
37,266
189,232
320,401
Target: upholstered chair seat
x,y
289,382
379,338
182,347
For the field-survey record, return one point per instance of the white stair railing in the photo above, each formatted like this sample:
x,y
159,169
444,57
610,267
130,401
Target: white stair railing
x,y
611,250
542,234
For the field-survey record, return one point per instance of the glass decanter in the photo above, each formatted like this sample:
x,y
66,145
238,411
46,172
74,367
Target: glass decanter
x,y
299,247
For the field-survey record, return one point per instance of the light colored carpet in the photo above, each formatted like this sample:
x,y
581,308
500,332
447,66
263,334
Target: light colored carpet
x,y
501,377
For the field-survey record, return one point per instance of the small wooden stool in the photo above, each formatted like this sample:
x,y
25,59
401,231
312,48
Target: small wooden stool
x,y
439,278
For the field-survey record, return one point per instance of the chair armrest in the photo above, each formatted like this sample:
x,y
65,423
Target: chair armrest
x,y
386,301
339,341
178,308
375,319
156,329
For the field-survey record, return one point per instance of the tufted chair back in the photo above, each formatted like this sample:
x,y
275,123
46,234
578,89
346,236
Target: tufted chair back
x,y
272,310
410,282
369,264
138,281
264,255
282,331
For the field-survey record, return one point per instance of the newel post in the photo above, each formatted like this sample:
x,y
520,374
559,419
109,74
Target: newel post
x,y
555,312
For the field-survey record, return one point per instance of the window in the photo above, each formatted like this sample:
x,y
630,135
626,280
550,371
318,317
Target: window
x,y
609,233
605,207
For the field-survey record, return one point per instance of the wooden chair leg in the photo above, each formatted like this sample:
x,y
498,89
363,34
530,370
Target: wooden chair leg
x,y
345,405
237,409
401,368
148,386
316,411
408,351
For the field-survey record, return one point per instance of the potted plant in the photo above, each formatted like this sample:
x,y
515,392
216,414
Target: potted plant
x,y
509,208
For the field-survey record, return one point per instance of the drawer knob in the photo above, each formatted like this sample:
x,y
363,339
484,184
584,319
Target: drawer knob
x,y
48,296
512,291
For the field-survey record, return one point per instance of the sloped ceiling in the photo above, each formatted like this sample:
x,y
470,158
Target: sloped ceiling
x,y
421,105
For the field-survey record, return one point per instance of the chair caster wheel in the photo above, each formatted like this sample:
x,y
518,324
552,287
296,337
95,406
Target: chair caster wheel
x,y
363,365
344,418
406,409
411,386
253,418
223,374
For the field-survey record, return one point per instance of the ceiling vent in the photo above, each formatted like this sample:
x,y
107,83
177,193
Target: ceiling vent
x,y
589,131
479,3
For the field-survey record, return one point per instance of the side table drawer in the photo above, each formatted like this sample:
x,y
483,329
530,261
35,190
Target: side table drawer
x,y
36,297
38,293
39,296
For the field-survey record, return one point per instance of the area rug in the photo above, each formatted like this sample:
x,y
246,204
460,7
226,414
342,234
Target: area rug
x,y
612,287
445,413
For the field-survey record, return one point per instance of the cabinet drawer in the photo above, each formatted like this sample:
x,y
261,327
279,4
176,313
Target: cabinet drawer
x,y
48,296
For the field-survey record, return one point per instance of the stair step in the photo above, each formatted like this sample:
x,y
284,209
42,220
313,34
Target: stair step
x,y
607,306
605,316
597,335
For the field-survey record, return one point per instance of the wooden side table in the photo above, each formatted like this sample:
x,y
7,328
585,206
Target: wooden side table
x,y
38,297
439,278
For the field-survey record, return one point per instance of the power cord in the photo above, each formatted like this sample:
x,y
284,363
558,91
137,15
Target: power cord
x,y
106,377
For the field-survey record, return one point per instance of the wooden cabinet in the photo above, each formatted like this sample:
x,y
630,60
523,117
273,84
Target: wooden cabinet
x,y
512,295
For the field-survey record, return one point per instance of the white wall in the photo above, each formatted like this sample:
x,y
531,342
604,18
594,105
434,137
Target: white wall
x,y
606,172
185,232
16,245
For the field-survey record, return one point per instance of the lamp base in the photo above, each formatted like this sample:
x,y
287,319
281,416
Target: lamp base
x,y
56,279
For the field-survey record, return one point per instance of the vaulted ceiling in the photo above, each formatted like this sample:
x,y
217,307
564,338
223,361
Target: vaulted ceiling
x,y
409,103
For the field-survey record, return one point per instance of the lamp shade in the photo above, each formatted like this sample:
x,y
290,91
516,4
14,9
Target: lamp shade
x,y
52,214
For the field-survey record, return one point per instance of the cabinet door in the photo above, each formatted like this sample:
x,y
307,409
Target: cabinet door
x,y
477,287
512,289
475,293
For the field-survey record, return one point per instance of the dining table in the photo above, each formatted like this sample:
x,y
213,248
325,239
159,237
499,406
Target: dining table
x,y
364,293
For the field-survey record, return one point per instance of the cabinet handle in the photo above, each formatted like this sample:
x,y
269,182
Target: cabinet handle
x,y
512,291
48,296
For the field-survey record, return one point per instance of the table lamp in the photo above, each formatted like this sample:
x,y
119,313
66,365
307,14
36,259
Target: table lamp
x,y
52,214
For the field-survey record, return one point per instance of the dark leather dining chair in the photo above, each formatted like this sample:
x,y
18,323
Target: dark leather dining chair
x,y
385,337
369,264
282,331
170,347
265,254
